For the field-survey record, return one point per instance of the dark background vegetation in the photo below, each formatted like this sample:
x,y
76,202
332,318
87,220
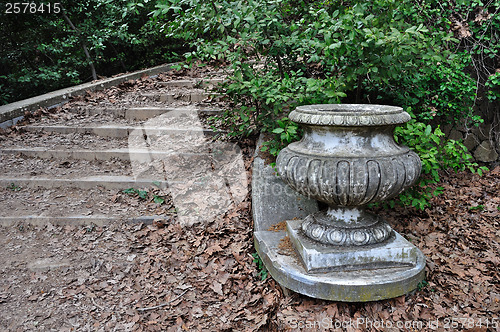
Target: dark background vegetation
x,y
42,52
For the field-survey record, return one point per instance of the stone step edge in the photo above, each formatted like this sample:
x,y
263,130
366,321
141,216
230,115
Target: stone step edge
x,y
193,83
143,113
104,181
98,220
185,97
102,155
116,131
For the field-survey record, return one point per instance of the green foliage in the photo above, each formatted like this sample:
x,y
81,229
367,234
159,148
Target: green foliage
x,y
158,199
260,266
421,285
144,195
43,52
478,208
332,52
5,92
476,25
90,228
436,154
443,92
493,85
13,187
287,132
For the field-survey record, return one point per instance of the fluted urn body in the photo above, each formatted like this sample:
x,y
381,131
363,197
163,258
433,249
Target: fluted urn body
x,y
348,158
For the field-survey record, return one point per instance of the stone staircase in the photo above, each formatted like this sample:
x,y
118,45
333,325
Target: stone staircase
x,y
72,166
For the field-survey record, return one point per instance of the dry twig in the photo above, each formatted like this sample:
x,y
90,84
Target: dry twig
x,y
164,304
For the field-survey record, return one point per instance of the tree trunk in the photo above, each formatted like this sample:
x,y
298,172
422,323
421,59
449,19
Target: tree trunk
x,y
84,45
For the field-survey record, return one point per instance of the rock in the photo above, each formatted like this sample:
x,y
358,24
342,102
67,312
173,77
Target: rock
x,y
455,135
482,132
485,152
273,200
45,264
471,141
446,129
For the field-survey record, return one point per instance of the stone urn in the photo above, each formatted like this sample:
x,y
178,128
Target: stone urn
x,y
348,159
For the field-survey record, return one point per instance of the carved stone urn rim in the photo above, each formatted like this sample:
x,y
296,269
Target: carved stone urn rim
x,y
351,115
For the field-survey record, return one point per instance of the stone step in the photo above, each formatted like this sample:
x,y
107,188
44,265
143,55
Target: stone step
x,y
194,97
65,205
115,131
179,83
18,166
88,182
118,169
144,113
98,220
56,141
211,82
87,154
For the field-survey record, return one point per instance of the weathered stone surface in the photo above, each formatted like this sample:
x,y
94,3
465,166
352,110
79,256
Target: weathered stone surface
x,y
316,257
17,109
98,220
87,182
349,115
347,158
471,141
485,152
455,135
483,131
45,264
346,227
116,130
85,154
272,200
359,285
195,97
348,180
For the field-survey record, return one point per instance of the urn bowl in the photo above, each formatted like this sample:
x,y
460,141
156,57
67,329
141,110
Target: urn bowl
x,y
348,156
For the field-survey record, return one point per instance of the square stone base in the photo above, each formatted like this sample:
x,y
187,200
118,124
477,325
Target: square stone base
x,y
317,257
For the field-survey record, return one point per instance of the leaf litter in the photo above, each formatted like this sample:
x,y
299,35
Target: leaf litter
x,y
164,277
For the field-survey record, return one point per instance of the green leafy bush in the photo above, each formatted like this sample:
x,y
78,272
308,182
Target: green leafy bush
x,y
288,53
493,85
436,153
287,132
260,266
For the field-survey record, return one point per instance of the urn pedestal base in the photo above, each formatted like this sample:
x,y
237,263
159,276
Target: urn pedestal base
x,y
352,284
348,159
394,252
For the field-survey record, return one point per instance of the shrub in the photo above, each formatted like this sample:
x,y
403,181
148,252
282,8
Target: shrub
x,y
436,154
289,53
